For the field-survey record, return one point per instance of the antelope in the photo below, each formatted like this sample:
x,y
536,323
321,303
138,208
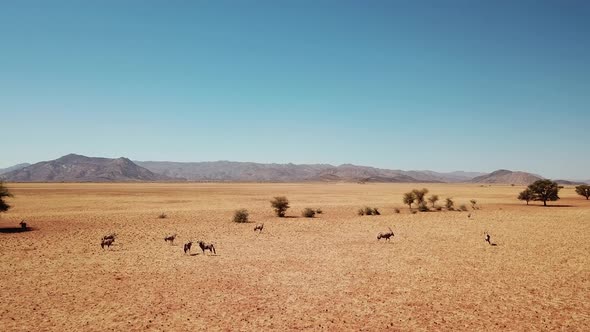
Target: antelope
x,y
187,246
207,246
259,228
170,238
385,236
106,242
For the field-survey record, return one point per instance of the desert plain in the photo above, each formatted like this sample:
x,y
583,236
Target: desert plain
x,y
327,273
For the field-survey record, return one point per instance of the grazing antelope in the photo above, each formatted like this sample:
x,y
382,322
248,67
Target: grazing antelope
x,y
106,242
385,236
187,246
259,228
23,224
207,246
488,239
170,238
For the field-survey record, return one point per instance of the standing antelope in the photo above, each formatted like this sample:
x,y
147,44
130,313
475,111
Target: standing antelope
x,y
187,246
207,246
259,228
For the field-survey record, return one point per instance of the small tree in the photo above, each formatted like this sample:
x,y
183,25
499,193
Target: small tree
x,y
4,193
241,215
526,195
308,213
409,199
433,199
473,204
280,204
449,204
545,190
583,190
420,194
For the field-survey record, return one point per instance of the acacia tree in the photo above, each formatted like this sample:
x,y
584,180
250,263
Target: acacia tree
x,y
544,190
409,199
433,199
526,195
280,204
583,190
4,193
419,194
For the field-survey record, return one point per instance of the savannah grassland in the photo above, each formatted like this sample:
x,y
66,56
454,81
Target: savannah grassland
x,y
325,273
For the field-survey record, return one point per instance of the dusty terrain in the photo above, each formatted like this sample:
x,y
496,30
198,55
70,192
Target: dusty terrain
x,y
329,273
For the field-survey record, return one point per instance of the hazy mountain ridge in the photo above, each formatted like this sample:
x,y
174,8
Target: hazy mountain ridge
x,y
77,168
13,168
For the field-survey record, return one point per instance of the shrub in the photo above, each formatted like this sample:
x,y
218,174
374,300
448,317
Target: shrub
x,y
449,204
280,204
422,207
367,211
162,216
473,204
409,199
433,199
308,213
414,212
420,194
396,210
526,195
463,207
241,215
439,208
583,190
319,211
4,193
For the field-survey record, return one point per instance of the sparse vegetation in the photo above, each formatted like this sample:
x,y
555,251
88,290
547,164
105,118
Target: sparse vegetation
x,y
308,213
544,190
449,204
420,194
319,211
396,210
162,216
583,190
422,207
409,199
367,211
433,199
241,216
473,204
280,204
4,193
463,207
526,195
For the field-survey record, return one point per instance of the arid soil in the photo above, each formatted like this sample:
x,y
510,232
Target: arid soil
x,y
437,273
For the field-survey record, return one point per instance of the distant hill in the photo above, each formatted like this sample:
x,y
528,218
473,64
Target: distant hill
x,y
507,177
76,168
232,171
570,183
13,168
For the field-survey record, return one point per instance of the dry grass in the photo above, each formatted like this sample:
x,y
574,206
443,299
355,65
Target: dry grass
x,y
328,273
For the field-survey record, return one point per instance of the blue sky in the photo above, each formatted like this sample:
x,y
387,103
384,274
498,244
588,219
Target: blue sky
x,y
441,85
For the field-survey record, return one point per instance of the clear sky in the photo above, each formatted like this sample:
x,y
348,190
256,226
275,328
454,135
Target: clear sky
x,y
441,85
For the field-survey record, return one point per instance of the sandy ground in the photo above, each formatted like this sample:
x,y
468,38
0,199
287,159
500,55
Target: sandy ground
x,y
328,273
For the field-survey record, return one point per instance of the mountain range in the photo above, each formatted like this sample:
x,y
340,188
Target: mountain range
x,y
78,168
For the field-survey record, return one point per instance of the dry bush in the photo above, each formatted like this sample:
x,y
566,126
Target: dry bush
x,y
162,216
241,216
308,213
